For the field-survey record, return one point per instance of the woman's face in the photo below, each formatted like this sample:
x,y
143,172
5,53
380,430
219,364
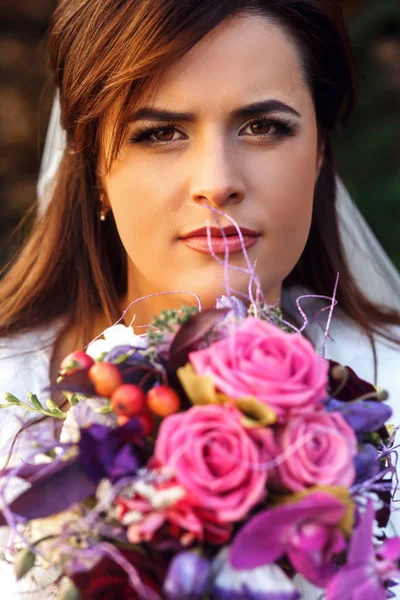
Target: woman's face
x,y
258,167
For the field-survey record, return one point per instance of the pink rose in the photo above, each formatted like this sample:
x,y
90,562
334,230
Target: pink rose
x,y
258,359
314,449
215,459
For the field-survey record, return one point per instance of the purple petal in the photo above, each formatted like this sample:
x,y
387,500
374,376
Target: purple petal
x,y
361,550
53,490
318,566
344,583
370,588
364,416
124,463
366,463
234,304
101,450
264,538
311,537
390,550
188,577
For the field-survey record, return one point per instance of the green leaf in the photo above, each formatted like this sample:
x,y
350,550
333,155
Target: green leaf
x,y
104,410
51,405
54,410
34,400
123,357
74,400
11,399
100,358
68,590
23,562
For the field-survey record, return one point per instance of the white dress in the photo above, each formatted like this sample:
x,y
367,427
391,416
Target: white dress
x,y
25,366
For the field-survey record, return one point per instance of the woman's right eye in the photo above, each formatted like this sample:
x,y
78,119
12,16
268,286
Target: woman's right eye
x,y
147,135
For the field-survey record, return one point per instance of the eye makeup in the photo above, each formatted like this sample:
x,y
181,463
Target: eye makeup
x,y
279,127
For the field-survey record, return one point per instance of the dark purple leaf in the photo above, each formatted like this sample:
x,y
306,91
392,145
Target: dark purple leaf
x,y
191,334
77,382
54,488
354,387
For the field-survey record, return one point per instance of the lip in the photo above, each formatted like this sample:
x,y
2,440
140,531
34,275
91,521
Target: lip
x,y
217,232
197,240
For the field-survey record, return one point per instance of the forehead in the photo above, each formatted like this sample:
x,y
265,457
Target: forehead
x,y
247,58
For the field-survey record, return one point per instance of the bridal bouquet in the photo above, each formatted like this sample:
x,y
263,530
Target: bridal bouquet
x,y
215,457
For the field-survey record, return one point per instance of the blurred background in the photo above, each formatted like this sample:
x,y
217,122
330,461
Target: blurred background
x,y
368,152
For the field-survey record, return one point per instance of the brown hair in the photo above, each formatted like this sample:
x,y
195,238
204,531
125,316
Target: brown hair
x,y
104,53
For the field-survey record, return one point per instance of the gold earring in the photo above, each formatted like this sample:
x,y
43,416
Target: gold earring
x,y
103,215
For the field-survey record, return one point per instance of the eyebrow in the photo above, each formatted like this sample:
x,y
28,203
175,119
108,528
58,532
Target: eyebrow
x,y
250,110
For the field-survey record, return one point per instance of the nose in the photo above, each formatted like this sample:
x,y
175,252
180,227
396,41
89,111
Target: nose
x,y
216,178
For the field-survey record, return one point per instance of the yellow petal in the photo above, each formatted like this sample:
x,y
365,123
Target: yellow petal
x,y
200,390
343,494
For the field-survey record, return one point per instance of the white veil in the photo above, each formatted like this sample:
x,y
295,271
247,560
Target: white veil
x,y
373,270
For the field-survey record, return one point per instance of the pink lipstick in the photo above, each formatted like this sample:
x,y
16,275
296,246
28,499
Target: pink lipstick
x,y
197,239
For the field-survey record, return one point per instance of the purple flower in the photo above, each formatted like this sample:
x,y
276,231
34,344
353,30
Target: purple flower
x,y
234,304
365,416
366,463
85,413
307,531
268,582
188,577
136,369
366,572
109,452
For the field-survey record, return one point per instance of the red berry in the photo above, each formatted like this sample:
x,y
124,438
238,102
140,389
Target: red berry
x,y
163,401
84,362
106,378
128,400
121,420
147,422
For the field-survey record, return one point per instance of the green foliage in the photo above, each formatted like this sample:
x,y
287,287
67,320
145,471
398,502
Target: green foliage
x,y
34,405
369,151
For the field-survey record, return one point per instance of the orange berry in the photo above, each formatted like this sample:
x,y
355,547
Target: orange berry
x,y
121,420
106,378
128,400
147,422
163,401
84,362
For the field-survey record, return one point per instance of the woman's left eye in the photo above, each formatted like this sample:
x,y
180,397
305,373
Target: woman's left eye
x,y
260,128
275,128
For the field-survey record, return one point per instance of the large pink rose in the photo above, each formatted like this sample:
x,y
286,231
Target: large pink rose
x,y
258,359
216,459
314,449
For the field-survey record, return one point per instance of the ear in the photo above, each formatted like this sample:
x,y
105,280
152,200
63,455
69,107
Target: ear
x,y
105,203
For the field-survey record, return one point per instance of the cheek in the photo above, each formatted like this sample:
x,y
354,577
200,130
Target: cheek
x,y
290,175
141,208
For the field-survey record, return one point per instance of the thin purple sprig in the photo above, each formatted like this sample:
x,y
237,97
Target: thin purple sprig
x,y
250,267
12,519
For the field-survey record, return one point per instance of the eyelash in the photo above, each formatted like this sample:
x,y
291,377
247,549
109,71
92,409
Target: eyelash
x,y
283,128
